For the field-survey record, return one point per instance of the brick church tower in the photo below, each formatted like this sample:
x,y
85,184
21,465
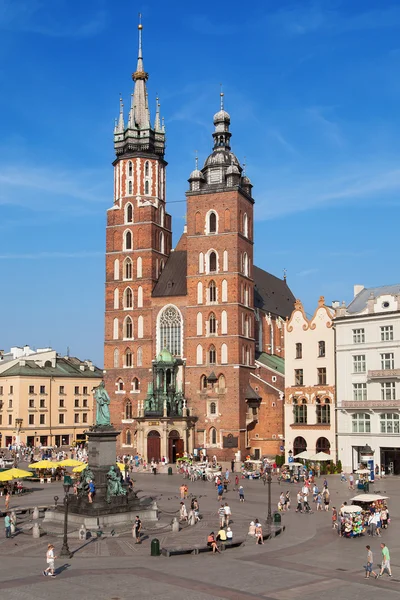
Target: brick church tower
x,y
220,314
138,242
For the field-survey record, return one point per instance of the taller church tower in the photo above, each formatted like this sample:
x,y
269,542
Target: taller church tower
x,y
138,243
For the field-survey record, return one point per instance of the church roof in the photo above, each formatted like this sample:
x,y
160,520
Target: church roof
x,y
65,367
172,281
360,302
271,294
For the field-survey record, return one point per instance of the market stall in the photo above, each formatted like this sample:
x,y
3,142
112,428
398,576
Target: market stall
x,y
353,524
252,469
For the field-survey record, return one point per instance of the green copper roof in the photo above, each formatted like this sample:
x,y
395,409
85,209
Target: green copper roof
x,y
272,361
165,356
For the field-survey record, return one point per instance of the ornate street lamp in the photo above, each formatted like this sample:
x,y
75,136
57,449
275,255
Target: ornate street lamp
x,y
65,551
269,481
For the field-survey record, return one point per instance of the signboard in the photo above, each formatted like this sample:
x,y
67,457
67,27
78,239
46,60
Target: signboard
x,y
281,448
290,459
230,441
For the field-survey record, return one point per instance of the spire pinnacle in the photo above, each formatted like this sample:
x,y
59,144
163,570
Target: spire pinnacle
x,y
157,124
221,97
244,166
197,160
121,125
142,113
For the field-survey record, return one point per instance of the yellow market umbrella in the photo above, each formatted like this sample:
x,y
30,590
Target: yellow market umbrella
x,y
121,467
80,468
44,464
71,462
14,474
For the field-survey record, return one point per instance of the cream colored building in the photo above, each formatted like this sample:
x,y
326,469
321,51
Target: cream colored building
x,y
310,381
46,399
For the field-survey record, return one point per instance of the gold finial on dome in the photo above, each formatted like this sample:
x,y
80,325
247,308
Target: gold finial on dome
x,y
140,26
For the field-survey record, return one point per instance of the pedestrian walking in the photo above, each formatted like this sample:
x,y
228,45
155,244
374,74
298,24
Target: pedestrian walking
x,y
136,529
7,499
221,515
241,493
259,533
351,481
220,491
368,566
182,491
228,514
385,561
299,498
287,500
183,512
50,558
236,482
7,525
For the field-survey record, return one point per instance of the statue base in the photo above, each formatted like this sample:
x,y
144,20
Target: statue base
x,y
102,454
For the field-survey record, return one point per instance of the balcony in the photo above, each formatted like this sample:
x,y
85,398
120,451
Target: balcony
x,y
370,404
383,374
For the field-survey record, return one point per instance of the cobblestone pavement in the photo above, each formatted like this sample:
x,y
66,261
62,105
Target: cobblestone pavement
x,y
307,561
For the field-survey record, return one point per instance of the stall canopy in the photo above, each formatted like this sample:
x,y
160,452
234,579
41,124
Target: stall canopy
x,y
306,454
321,456
349,510
293,464
369,498
363,472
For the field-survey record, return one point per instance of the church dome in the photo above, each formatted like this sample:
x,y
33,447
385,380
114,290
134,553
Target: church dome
x,y
246,181
222,117
221,157
165,356
196,174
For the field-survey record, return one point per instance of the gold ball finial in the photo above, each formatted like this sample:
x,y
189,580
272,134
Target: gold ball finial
x,y
140,26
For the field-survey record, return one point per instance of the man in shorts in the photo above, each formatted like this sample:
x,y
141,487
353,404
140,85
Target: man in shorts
x,y
50,558
368,567
385,561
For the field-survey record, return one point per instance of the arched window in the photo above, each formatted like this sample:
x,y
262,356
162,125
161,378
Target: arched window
x,y
170,331
323,411
299,445
361,423
221,383
130,188
128,298
128,409
115,329
120,385
199,293
135,384
247,355
146,187
227,219
224,290
161,242
161,266
245,264
212,355
128,438
203,382
199,323
128,268
139,356
224,354
300,411
197,223
139,267
245,225
146,168
162,216
199,355
246,326
212,262
201,262
129,213
390,423
130,169
116,269
225,260
213,408
212,291
212,324
128,358
213,436
140,327
323,445
140,297
116,358
128,240
116,298
212,222
128,328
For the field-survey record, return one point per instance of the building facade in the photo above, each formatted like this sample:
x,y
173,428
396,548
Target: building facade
x,y
310,397
183,327
368,376
46,399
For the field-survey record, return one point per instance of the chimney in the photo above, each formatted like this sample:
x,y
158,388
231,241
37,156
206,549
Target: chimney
x,y
357,289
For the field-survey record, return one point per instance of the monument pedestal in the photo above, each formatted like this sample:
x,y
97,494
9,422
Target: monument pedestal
x,y
122,509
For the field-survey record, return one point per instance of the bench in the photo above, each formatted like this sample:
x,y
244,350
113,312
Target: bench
x,y
200,548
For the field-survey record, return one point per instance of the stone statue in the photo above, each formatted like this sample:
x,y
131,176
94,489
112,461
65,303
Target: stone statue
x,y
114,486
102,405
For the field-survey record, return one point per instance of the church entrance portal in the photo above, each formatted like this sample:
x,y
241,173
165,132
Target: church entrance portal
x,y
153,446
175,446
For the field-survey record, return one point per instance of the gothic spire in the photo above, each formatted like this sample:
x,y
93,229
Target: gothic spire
x,y
142,113
157,124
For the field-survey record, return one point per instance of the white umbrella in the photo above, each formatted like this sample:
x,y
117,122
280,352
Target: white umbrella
x,y
350,509
321,456
306,454
362,471
293,464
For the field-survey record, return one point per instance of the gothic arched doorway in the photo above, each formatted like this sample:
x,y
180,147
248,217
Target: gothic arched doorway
x,y
299,445
175,446
153,446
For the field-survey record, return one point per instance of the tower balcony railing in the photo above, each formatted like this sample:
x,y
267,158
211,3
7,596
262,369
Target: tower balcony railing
x,y
382,374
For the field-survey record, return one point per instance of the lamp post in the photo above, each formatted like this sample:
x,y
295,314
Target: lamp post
x,y
65,551
126,468
269,481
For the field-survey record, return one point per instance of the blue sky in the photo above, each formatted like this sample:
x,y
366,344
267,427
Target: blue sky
x,y
313,90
